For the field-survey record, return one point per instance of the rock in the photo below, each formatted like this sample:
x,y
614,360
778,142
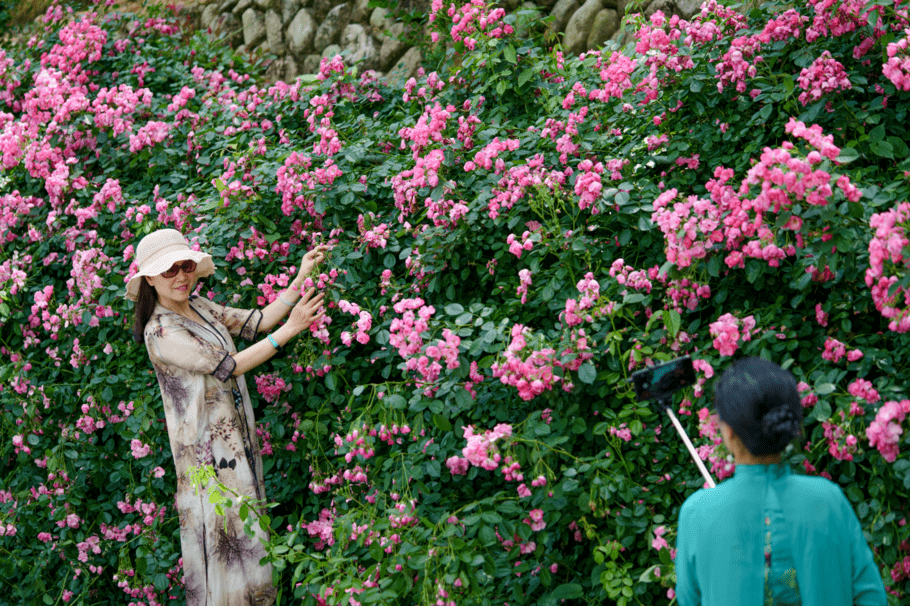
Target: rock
x,y
405,68
227,26
274,33
684,8
263,4
561,14
242,6
253,27
227,6
311,64
579,26
321,8
301,32
289,9
291,69
378,17
689,8
276,70
209,15
605,25
361,48
329,31
392,47
330,51
361,11
510,5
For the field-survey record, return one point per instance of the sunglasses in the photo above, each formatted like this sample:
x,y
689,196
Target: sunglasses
x,y
188,266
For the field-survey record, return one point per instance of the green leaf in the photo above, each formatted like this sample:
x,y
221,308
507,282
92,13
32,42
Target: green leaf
x,y
877,134
442,423
487,535
847,154
587,373
395,401
673,320
510,54
822,411
824,389
501,87
567,591
882,149
525,76
454,309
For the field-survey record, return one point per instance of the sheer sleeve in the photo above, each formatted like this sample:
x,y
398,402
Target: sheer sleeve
x,y
178,347
243,323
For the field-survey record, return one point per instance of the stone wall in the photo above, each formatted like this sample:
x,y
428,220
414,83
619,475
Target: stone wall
x,y
302,32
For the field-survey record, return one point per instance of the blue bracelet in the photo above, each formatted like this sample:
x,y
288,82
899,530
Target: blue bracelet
x,y
275,344
285,302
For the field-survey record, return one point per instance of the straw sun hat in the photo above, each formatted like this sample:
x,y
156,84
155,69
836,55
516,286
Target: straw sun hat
x,y
158,251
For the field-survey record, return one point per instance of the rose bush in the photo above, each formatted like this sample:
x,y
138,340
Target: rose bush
x,y
514,232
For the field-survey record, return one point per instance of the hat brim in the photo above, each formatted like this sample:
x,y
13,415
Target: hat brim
x,y
204,267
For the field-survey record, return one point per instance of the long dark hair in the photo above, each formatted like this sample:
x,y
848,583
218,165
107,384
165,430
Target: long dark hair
x,y
145,307
758,399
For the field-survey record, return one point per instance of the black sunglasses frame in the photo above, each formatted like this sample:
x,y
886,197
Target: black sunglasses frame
x,y
176,267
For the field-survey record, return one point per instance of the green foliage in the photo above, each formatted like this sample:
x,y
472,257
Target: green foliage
x,y
412,529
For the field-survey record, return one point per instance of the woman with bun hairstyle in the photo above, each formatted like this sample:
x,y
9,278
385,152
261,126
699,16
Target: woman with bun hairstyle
x,y
207,405
768,536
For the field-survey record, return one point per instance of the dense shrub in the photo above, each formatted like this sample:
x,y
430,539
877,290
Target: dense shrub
x,y
513,234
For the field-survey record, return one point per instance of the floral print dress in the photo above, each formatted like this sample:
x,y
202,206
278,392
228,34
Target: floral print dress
x,y
210,421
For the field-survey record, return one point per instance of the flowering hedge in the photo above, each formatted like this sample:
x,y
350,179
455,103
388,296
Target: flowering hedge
x,y
514,232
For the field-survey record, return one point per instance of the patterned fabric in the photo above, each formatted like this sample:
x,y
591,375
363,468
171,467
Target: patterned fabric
x,y
210,421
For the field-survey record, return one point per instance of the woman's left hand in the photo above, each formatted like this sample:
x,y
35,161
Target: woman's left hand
x,y
311,260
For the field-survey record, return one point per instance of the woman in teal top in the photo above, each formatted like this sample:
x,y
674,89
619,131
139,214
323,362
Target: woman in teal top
x,y
767,536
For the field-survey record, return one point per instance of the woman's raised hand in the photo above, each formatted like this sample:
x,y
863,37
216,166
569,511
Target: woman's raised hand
x,y
307,310
311,260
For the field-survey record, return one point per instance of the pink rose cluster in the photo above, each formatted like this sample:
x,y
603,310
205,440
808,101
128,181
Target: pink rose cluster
x,y
861,388
885,431
517,248
585,308
472,19
826,75
518,180
374,236
835,351
481,449
406,337
627,275
840,447
524,279
897,69
779,180
531,375
270,387
887,252
138,449
709,427
363,324
727,335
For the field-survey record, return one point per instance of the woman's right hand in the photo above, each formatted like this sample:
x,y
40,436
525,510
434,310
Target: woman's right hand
x,y
307,310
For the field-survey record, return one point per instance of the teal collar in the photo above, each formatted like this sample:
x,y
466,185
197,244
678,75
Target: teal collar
x,y
775,470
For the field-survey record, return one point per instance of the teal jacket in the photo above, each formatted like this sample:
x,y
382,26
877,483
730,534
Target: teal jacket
x,y
769,537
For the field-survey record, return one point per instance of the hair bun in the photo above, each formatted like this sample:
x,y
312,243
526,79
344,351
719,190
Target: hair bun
x,y
780,421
